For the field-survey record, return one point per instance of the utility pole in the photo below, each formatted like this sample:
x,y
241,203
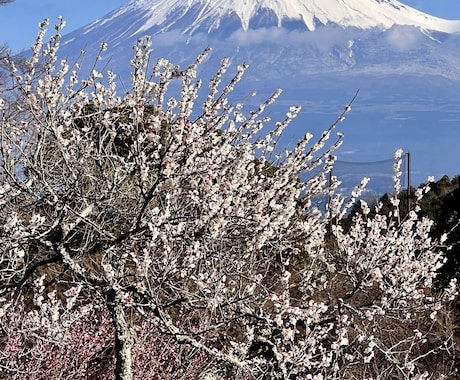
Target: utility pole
x,y
408,182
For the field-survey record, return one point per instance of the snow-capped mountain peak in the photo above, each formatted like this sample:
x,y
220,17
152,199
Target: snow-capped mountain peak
x,y
405,63
362,14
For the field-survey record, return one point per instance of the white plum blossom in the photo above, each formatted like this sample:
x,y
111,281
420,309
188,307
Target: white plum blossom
x,y
190,219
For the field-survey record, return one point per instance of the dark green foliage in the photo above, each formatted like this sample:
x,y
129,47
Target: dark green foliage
x,y
90,121
442,205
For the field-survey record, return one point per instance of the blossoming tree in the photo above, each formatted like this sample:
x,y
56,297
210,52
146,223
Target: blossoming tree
x,y
140,214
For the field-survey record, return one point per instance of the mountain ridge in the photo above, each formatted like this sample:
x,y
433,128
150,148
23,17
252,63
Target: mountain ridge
x,y
363,14
310,41
408,75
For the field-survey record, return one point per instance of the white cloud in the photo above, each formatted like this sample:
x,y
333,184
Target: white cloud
x,y
323,38
403,38
170,38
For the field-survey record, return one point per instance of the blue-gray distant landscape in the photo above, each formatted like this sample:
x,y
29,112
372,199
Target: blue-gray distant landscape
x,y
405,64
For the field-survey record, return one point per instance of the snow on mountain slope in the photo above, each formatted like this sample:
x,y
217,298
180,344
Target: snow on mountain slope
x,y
280,37
405,63
362,14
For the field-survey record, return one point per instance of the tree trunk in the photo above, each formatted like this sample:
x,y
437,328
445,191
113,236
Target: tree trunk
x,y
124,338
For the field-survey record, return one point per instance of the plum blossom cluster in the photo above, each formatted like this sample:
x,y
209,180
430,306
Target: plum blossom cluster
x,y
50,338
145,218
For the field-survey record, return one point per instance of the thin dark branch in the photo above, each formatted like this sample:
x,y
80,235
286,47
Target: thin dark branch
x,y
30,271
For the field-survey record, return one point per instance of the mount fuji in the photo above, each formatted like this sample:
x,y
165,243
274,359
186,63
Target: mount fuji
x,y
405,63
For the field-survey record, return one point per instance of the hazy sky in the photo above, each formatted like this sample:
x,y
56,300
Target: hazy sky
x,y
18,21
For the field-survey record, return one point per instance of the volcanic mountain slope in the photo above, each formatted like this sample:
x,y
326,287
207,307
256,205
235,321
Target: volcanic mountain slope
x,y
280,37
405,63
362,14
